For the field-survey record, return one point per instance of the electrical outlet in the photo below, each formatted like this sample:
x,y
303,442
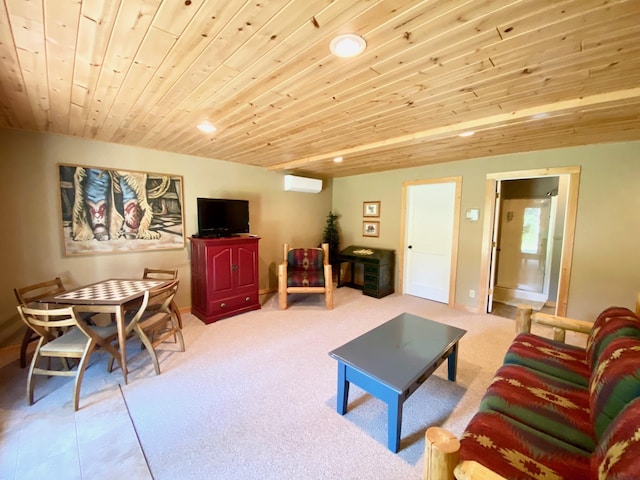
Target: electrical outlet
x,y
472,294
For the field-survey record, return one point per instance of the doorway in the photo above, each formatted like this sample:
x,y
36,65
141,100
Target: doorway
x,y
525,246
430,224
532,264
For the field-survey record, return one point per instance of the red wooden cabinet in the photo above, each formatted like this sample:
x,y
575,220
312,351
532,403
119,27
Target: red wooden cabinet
x,y
224,277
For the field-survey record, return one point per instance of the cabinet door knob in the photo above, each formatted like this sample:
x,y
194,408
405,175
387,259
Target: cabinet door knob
x,y
223,305
248,299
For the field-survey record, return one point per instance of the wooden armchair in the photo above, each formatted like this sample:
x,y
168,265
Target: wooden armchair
x,y
305,270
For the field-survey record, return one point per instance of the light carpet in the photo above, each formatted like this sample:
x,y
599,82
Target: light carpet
x,y
253,397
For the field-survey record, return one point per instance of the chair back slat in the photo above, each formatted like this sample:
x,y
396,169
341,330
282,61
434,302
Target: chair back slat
x,y
161,273
47,323
38,291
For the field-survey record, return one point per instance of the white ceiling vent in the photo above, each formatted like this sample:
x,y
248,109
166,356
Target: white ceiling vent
x,y
302,184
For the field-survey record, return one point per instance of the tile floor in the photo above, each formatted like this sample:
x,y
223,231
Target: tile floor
x,y
48,440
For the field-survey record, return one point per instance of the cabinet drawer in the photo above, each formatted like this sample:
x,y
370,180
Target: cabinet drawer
x,y
371,278
371,269
231,303
371,287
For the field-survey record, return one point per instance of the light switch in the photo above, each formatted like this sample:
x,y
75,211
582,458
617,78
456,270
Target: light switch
x,y
473,214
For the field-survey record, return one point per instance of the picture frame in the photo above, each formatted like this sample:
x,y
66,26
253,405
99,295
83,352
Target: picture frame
x,y
371,209
370,228
107,210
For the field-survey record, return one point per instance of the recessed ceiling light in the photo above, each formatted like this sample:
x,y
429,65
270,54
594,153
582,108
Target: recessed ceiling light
x,y
538,116
206,127
347,45
466,134
337,160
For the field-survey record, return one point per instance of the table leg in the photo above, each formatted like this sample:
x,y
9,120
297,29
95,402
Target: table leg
x,y
343,389
395,424
453,363
122,341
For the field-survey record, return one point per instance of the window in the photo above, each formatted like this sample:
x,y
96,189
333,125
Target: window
x,y
531,231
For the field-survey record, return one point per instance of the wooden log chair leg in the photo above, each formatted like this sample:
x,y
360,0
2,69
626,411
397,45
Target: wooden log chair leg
x,y
442,454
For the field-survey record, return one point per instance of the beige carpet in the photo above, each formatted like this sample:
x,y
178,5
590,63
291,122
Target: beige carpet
x,y
253,397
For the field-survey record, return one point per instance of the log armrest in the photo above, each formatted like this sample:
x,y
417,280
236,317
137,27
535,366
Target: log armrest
x,y
526,317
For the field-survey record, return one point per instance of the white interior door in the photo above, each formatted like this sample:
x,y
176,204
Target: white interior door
x,y
429,238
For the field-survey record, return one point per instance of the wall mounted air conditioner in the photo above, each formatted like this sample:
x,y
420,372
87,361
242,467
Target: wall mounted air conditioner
x,y
293,183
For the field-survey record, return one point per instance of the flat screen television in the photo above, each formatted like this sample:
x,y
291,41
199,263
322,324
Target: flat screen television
x,y
222,217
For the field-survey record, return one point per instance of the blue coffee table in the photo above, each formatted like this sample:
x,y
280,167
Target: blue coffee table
x,y
393,360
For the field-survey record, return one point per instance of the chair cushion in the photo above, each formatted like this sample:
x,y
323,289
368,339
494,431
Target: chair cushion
x,y
616,456
611,323
73,340
518,452
305,267
615,381
305,259
305,278
548,404
555,358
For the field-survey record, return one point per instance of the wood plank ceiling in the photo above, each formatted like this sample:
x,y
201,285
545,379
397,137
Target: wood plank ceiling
x,y
523,75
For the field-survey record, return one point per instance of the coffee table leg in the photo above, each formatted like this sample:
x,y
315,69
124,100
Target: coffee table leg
x,y
343,388
453,363
394,424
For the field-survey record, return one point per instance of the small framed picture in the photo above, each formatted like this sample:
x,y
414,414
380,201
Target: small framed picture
x,y
370,229
370,209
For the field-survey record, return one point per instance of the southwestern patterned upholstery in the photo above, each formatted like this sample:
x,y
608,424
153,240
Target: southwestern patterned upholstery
x,y
305,270
305,267
550,356
616,457
554,411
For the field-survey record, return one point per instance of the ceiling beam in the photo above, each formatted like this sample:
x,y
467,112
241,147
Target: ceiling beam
x,y
502,119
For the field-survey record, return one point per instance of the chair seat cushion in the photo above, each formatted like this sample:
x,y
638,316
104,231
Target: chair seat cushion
x,y
549,356
73,340
518,452
548,404
305,278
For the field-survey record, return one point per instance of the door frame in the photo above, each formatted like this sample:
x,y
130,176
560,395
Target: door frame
x,y
567,238
454,240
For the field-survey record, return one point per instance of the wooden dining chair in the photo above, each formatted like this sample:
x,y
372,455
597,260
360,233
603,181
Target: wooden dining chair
x,y
26,296
165,274
63,334
154,323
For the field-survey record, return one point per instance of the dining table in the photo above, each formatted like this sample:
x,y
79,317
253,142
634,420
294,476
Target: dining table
x,y
110,297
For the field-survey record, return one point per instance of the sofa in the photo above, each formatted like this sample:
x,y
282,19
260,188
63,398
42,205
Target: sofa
x,y
558,411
